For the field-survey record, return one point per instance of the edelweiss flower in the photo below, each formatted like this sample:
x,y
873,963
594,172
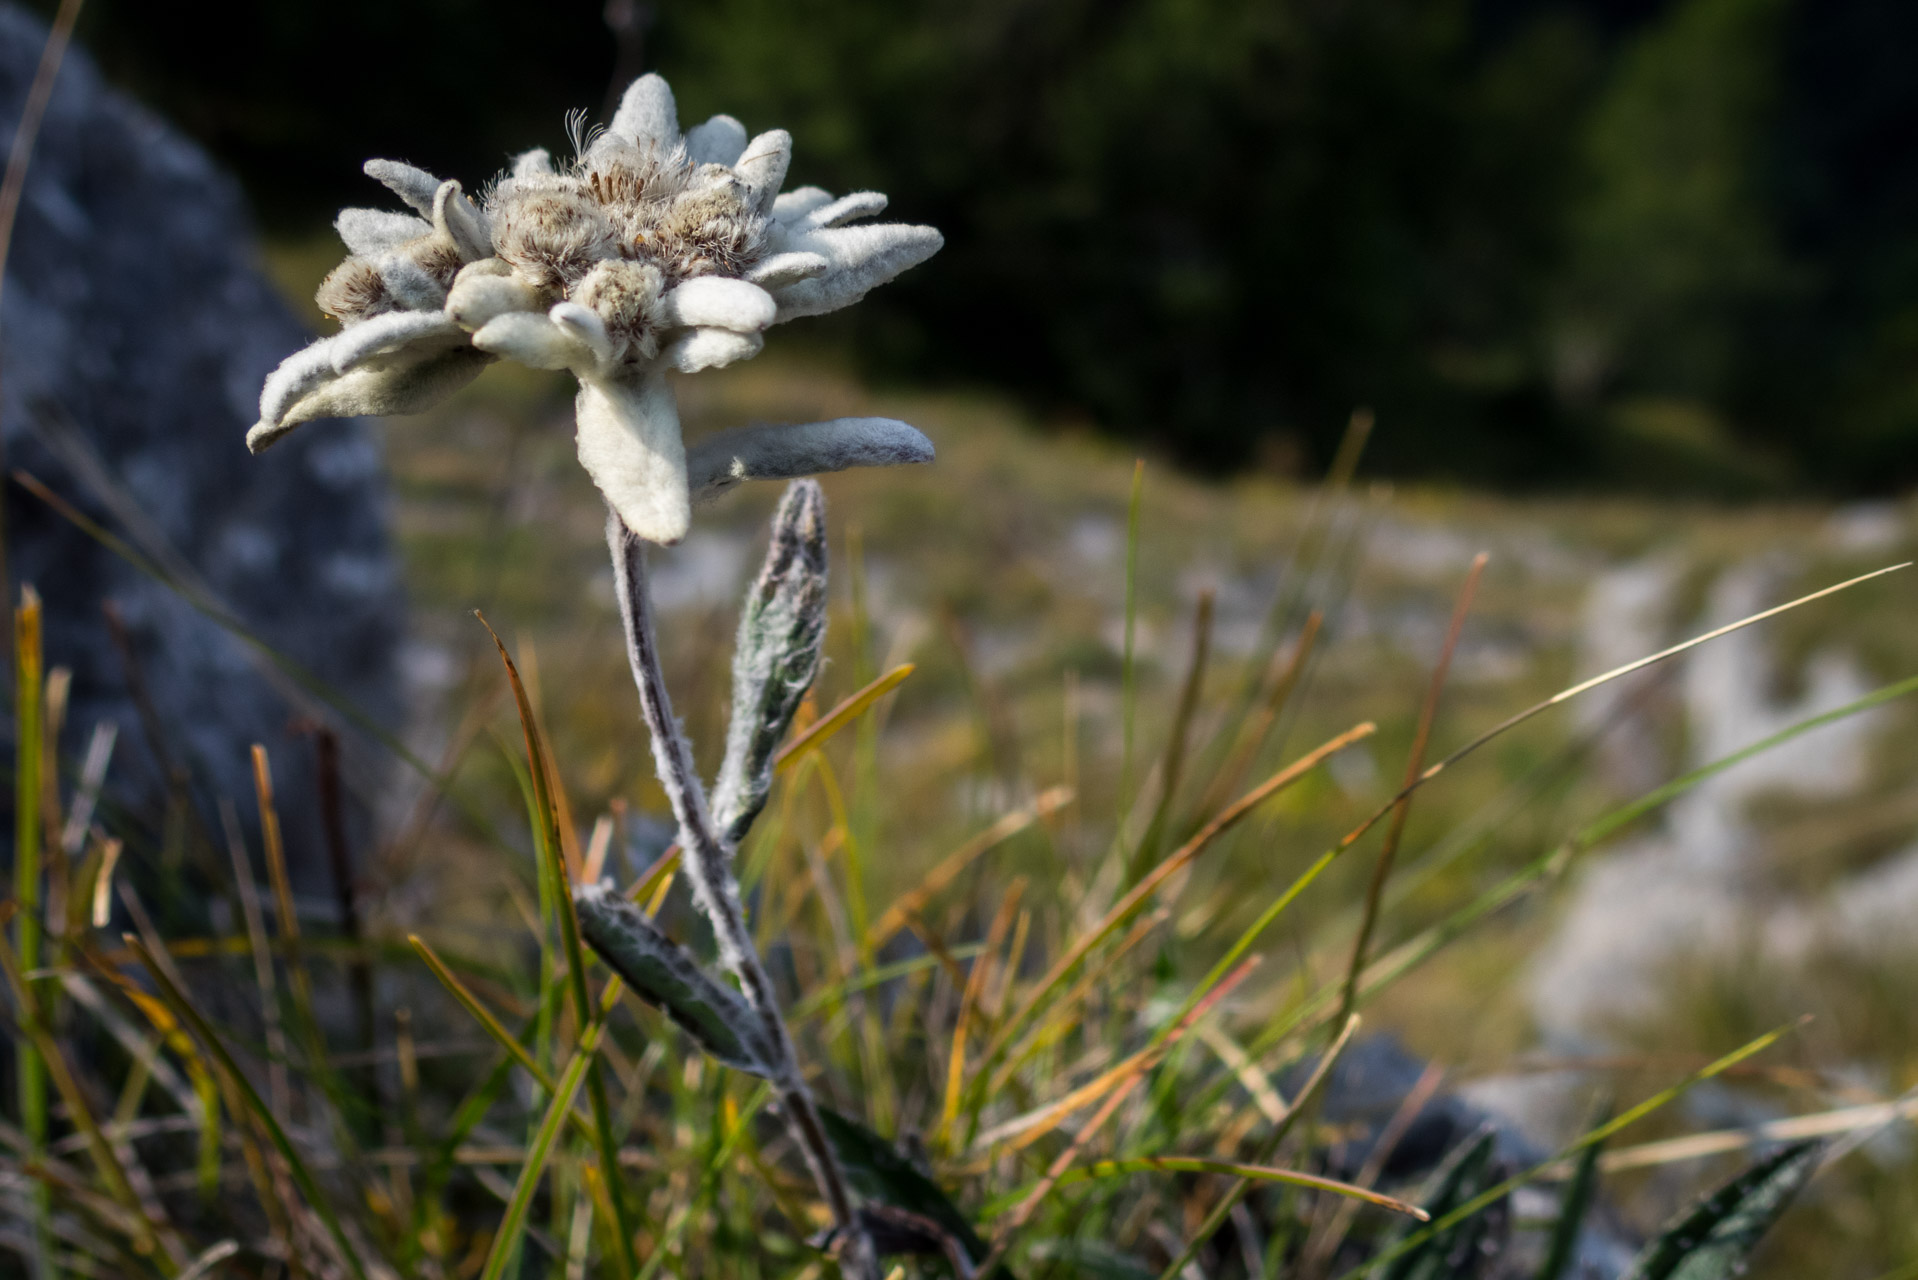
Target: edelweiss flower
x,y
651,252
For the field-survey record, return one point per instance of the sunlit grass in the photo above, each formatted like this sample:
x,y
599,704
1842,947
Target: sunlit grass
x,y
938,1012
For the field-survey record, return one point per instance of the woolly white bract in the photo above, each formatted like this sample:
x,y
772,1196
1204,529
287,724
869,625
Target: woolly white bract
x,y
652,251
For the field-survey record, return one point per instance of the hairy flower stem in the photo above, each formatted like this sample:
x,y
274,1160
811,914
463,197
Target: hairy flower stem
x,y
708,862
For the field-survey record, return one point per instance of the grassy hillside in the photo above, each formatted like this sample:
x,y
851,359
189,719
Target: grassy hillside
x,y
1000,572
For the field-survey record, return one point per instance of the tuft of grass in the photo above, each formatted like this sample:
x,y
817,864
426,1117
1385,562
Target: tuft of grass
x,y
1062,1012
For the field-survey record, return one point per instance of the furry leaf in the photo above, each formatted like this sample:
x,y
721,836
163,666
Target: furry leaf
x,y
883,1177
629,443
662,973
725,459
776,657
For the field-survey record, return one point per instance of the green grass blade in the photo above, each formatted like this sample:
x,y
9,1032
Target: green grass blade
x,y
1134,902
1586,686
548,827
558,1107
1597,1135
728,1144
29,1070
1715,1239
1416,950
1268,1148
835,993
1461,1179
1172,770
480,1013
1573,1209
1232,1168
1627,814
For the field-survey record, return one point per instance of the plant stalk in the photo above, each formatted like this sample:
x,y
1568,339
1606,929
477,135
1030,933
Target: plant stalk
x,y
708,862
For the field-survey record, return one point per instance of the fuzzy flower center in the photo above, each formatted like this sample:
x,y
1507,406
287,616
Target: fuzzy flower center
x,y
614,231
621,227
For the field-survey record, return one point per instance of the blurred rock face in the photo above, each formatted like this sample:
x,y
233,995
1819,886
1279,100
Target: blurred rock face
x,y
134,335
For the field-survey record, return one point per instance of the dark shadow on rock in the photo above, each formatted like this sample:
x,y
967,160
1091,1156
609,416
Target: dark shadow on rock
x,y
135,333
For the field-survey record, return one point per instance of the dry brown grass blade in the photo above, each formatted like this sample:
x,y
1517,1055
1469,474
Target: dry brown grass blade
x,y
1062,1009
942,954
1172,769
1138,1067
1414,764
532,704
277,1090
39,94
1329,1232
110,851
1353,1194
1321,1069
1251,1077
1022,1131
1027,1129
914,900
1697,1146
1269,1148
822,729
1006,976
86,795
1134,901
288,917
596,850
1287,668
59,871
969,1003
656,878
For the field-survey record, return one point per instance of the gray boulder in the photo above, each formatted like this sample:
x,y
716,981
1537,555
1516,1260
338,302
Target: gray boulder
x,y
135,330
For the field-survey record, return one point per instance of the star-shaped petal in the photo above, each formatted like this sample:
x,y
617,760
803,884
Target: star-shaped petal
x,y
653,252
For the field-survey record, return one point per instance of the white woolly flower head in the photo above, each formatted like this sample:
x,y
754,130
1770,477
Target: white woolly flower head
x,y
651,251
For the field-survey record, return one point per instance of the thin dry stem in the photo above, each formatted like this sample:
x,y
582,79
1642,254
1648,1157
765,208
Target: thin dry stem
x,y
1388,851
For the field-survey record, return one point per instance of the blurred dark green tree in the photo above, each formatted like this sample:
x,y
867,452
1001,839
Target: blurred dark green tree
x,y
1653,243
